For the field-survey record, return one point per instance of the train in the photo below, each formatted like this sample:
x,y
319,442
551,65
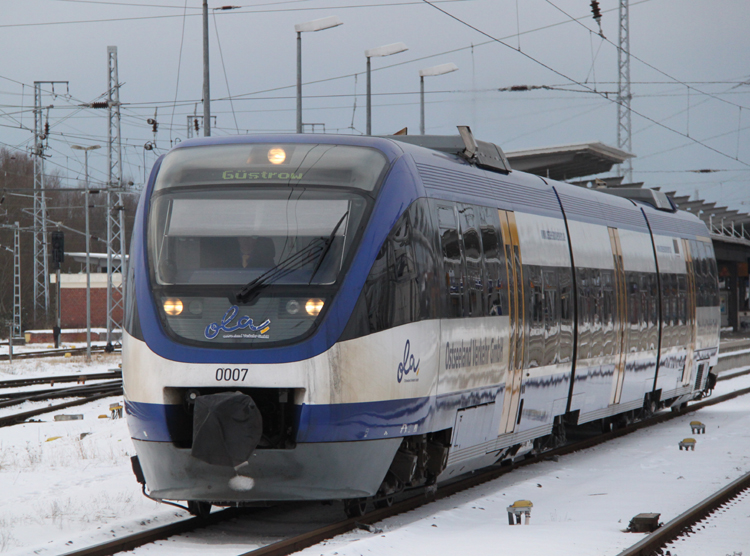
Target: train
x,y
339,317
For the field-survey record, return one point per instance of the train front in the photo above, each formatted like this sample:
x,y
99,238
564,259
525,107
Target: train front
x,y
238,287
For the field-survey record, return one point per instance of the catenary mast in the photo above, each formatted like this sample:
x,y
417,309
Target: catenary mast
x,y
116,263
624,129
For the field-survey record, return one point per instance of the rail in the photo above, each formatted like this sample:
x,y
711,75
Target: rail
x,y
9,420
81,378
54,353
652,544
17,398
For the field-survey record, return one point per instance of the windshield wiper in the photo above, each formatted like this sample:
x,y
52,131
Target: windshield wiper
x,y
318,247
327,247
288,265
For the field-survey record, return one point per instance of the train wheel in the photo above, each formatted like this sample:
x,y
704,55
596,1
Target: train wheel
x,y
355,507
199,508
385,502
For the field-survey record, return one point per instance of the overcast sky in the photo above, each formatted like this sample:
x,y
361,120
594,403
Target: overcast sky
x,y
690,76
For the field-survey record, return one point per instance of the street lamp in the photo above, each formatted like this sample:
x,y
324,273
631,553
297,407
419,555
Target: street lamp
x,y
386,50
429,72
315,25
88,249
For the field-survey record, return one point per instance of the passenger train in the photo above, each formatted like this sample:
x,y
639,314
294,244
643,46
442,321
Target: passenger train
x,y
317,317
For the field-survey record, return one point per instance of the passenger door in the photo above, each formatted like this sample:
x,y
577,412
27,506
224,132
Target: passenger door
x,y
516,311
690,317
621,314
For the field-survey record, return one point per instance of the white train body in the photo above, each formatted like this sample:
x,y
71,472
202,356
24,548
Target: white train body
x,y
468,313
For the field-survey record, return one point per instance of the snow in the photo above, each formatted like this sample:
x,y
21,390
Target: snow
x,y
583,502
78,490
68,484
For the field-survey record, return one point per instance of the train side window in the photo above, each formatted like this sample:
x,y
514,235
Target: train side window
x,y
402,285
535,315
551,301
402,274
566,314
403,267
674,296
494,263
645,310
634,310
584,312
452,260
423,240
475,291
682,309
631,279
378,293
673,332
609,305
131,321
653,310
714,273
704,277
596,308
668,305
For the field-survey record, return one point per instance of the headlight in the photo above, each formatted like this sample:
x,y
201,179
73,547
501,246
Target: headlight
x,y
173,306
276,155
313,307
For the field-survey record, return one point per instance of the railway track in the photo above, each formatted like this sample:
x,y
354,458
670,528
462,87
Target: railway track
x,y
684,524
418,498
51,380
85,394
16,398
54,353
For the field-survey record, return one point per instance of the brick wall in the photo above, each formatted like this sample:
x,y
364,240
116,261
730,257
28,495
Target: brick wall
x,y
73,308
73,300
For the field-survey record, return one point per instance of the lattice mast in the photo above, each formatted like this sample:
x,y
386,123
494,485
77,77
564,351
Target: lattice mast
x,y
116,263
41,270
624,129
16,333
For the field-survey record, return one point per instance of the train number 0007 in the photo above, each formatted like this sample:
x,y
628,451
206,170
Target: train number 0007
x,y
231,375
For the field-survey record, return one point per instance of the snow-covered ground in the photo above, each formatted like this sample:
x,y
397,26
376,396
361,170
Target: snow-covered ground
x,y
67,485
583,502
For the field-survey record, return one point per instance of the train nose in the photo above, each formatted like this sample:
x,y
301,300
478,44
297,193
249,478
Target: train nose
x,y
226,428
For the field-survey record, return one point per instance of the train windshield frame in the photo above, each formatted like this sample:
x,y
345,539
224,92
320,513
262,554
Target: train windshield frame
x,y
253,261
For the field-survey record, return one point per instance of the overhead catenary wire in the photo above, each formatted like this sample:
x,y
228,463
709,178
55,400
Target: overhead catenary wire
x,y
665,74
246,11
557,72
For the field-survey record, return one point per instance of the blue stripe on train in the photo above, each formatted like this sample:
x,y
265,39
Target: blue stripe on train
x,y
317,423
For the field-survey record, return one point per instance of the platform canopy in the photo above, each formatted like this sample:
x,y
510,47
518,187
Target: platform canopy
x,y
566,162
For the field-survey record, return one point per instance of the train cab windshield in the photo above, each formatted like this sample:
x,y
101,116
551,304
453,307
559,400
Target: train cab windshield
x,y
248,243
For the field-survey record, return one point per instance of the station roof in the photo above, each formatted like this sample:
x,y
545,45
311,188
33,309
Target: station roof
x,y
566,162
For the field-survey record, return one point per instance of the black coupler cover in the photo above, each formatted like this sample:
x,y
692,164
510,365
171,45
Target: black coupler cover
x,y
226,428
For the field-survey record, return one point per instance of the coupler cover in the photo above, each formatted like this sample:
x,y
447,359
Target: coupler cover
x,y
226,428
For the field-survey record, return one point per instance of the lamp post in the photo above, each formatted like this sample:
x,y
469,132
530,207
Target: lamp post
x,y
428,72
206,78
386,50
88,249
315,25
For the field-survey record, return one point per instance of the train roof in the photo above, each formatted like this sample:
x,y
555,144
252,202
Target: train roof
x,y
621,206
